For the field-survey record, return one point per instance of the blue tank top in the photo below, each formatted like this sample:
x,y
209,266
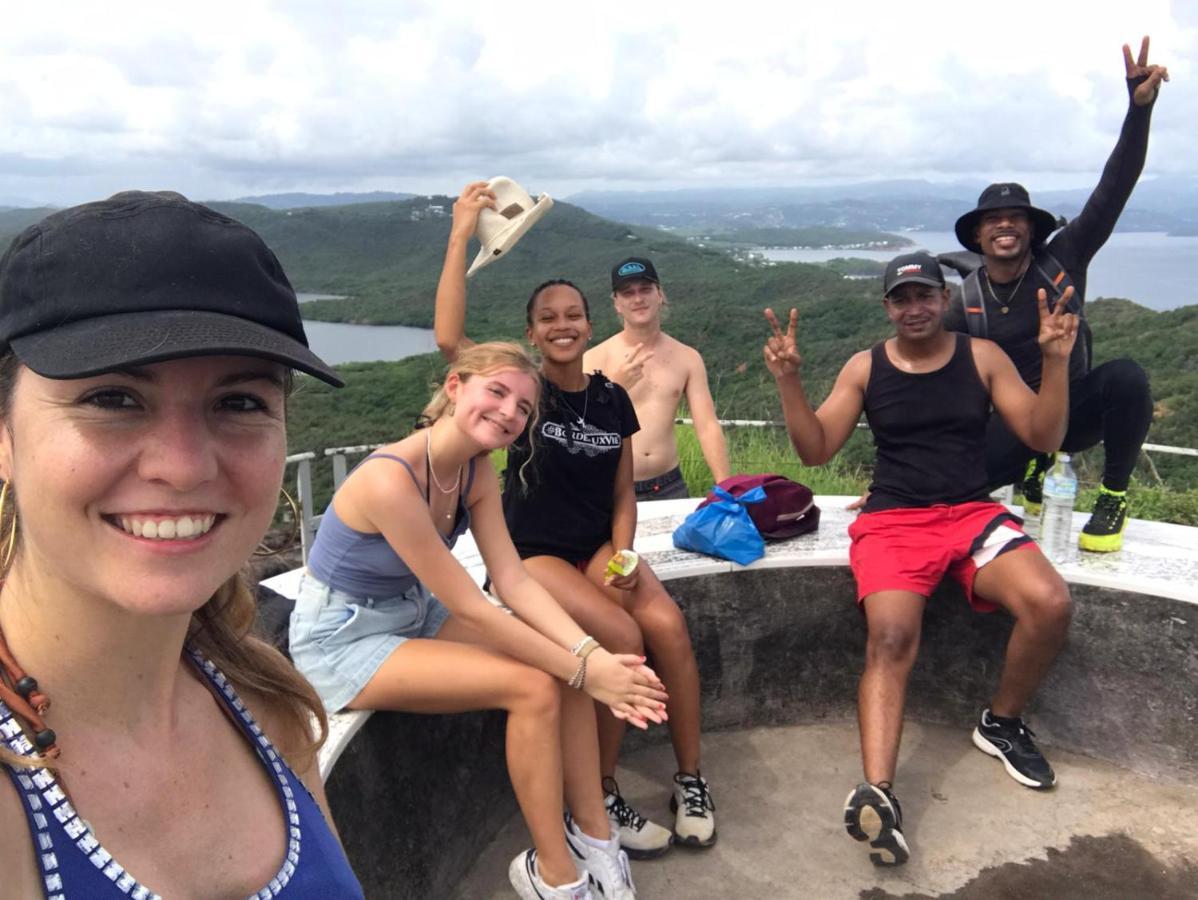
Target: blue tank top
x,y
74,866
365,565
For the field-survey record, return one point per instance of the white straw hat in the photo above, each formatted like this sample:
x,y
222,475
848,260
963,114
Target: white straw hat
x,y
499,229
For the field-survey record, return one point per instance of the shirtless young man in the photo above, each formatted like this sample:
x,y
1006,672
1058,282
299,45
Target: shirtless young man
x,y
657,371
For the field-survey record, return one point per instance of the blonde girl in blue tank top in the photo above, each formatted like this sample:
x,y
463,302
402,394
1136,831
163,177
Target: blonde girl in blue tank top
x,y
429,641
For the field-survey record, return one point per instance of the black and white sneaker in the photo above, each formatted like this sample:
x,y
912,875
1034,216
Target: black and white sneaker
x,y
1010,740
694,811
872,813
602,861
640,838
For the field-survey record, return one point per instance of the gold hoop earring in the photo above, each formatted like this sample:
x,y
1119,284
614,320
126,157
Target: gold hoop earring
x,y
10,540
263,550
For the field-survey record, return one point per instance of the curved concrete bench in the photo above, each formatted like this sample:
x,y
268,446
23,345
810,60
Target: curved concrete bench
x,y
781,642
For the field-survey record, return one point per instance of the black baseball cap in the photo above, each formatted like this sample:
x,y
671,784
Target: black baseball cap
x,y
1004,195
918,268
144,277
635,268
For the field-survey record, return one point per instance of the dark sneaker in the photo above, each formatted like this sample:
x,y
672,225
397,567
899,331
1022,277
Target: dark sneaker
x,y
1104,532
640,838
1010,740
694,811
1032,486
872,813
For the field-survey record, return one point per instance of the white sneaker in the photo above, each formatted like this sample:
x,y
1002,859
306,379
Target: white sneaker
x,y
522,873
694,811
606,864
639,838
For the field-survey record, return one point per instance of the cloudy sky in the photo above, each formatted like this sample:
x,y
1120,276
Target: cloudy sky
x,y
234,97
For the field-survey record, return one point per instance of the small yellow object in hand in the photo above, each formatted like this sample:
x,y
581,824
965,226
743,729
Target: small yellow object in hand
x,y
623,563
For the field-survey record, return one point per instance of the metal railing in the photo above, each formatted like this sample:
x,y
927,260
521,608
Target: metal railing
x,y
310,520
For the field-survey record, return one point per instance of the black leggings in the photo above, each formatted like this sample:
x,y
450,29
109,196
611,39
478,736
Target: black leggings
x,y
1112,404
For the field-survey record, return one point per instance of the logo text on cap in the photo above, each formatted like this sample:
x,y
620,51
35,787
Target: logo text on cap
x,y
630,268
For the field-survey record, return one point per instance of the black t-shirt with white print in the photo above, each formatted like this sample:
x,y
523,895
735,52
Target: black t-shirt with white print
x,y
566,508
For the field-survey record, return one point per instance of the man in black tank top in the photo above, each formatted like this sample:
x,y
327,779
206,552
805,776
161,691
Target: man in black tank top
x,y
926,393
1021,254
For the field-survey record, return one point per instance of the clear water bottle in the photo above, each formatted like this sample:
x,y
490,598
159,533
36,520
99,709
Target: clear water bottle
x,y
1056,519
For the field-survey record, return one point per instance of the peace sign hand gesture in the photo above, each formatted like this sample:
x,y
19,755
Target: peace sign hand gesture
x,y
1058,329
474,198
1145,92
631,367
780,351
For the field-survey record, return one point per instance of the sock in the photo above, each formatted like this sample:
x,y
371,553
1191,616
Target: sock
x,y
596,842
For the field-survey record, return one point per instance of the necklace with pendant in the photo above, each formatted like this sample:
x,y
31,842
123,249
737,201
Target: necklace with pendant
x,y
432,475
580,420
1004,308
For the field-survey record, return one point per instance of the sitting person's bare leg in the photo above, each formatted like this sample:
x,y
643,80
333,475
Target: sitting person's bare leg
x,y
894,620
1026,585
667,640
603,616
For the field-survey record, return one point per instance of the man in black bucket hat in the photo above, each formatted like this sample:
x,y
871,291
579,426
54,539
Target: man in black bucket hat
x,y
1020,254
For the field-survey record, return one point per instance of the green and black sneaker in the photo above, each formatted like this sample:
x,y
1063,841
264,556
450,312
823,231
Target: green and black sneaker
x,y
1104,532
1032,486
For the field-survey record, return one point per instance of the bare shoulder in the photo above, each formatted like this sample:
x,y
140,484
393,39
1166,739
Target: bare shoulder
x,y
292,737
682,351
16,845
987,355
595,357
486,481
379,483
856,370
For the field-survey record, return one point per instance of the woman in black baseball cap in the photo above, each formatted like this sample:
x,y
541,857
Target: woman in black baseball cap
x,y
147,345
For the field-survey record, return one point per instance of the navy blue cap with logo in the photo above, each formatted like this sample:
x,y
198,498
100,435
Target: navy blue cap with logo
x,y
635,268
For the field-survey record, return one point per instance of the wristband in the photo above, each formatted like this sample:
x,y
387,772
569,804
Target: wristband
x,y
577,649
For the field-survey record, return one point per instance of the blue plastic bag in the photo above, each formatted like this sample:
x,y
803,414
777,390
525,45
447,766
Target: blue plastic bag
x,y
723,528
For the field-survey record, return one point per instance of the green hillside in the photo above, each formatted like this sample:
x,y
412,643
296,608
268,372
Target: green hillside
x,y
386,258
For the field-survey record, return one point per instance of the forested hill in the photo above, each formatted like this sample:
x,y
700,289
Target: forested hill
x,y
388,265
386,258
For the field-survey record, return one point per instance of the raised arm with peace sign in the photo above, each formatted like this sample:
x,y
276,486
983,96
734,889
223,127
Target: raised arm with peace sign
x,y
1146,91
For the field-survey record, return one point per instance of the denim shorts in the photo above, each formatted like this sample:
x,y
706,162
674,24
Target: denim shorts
x,y
338,640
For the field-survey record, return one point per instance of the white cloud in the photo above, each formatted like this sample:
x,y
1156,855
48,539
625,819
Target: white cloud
x,y
242,97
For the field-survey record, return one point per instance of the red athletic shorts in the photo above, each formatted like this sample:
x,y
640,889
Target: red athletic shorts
x,y
911,549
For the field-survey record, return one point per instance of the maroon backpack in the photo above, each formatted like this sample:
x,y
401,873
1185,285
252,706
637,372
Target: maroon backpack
x,y
788,509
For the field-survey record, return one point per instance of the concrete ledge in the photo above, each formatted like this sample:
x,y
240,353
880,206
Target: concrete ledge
x,y
781,642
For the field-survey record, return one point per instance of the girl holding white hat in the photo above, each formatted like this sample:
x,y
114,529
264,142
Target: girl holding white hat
x,y
573,518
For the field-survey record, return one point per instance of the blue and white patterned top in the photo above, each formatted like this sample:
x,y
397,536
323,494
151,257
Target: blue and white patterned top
x,y
74,865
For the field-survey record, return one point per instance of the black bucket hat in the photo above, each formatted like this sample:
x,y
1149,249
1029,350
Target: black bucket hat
x,y
1005,195
146,277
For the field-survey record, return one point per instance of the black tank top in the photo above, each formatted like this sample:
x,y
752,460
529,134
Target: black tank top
x,y
929,430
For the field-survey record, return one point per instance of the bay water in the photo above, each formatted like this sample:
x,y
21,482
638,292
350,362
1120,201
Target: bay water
x,y
1148,267
1151,268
